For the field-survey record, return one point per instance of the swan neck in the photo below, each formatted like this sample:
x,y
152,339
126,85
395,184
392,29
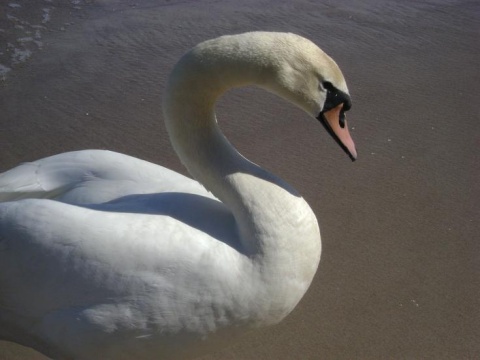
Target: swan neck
x,y
194,86
267,210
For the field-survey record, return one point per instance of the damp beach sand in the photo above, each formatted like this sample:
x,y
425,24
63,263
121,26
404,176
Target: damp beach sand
x,y
400,268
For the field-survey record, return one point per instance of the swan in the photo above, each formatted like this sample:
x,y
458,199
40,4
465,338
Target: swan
x,y
105,256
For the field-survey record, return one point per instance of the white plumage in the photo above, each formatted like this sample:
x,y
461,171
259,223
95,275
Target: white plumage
x,y
104,256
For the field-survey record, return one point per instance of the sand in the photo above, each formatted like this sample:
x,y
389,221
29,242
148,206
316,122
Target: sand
x,y
400,268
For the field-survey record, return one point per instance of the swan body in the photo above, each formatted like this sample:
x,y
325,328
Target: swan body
x,y
104,256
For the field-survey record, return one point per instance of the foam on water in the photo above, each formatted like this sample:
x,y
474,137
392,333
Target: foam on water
x,y
23,25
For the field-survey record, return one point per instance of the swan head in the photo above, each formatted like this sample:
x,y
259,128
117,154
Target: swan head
x,y
309,78
285,64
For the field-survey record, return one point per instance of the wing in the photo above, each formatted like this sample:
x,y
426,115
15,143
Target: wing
x,y
93,177
57,258
131,251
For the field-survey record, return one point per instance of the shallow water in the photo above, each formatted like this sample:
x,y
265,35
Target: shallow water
x,y
399,271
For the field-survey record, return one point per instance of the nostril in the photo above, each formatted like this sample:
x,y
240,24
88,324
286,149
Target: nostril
x,y
342,119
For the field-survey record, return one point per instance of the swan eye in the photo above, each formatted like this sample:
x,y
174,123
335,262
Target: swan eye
x,y
327,85
335,97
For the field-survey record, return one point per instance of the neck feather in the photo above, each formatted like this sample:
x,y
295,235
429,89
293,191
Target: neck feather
x,y
275,224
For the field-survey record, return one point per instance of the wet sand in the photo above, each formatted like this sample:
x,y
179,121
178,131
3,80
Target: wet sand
x,y
400,268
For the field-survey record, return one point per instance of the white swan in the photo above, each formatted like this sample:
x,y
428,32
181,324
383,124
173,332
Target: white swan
x,y
104,256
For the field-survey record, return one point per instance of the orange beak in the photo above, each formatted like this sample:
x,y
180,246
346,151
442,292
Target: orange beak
x,y
334,122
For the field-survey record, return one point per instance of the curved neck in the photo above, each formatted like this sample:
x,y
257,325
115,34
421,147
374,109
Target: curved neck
x,y
190,99
276,227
